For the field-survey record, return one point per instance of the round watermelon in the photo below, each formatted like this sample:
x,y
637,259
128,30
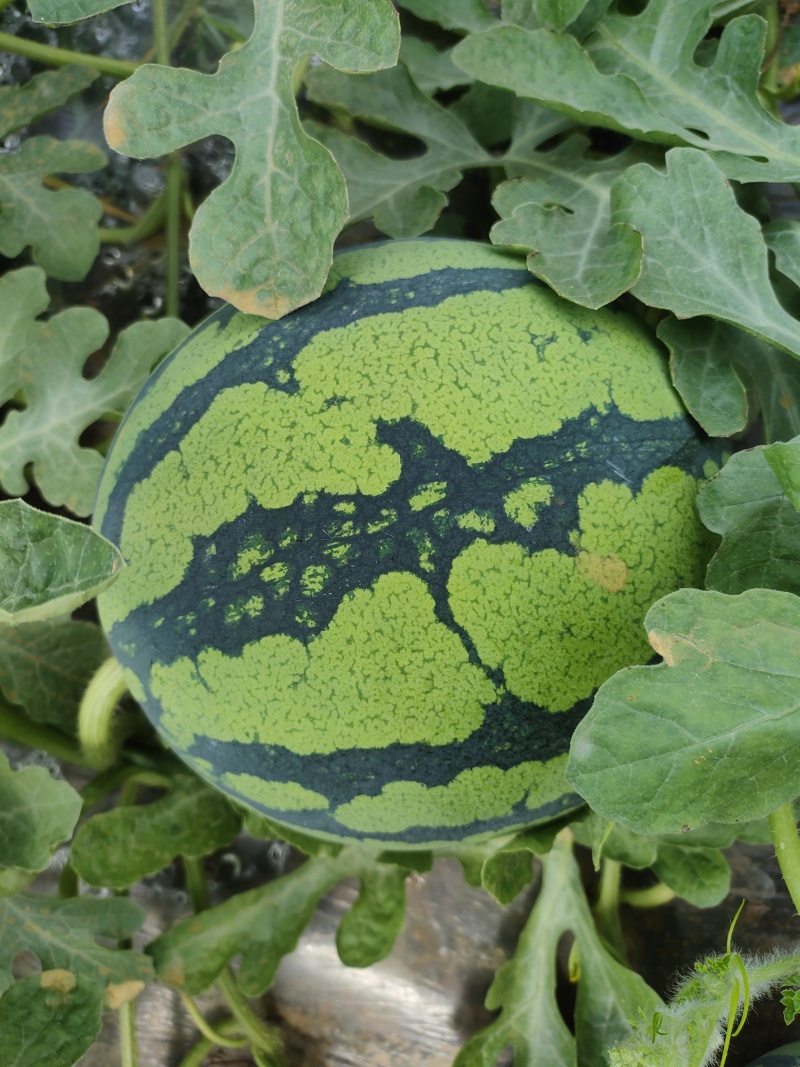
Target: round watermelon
x,y
381,553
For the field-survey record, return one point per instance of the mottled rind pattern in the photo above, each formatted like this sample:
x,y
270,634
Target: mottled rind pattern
x,y
382,552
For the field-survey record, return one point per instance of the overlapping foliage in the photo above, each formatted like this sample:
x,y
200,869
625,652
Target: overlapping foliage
x,y
623,152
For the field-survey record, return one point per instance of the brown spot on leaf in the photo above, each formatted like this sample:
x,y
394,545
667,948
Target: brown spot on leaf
x,y
114,128
664,646
786,401
117,995
257,301
610,572
59,979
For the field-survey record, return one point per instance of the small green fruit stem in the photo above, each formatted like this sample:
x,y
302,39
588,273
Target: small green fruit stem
x,y
61,57
217,1038
96,715
148,223
783,828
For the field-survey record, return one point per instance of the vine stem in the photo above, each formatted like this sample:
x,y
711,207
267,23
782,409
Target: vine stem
x,y
127,1033
61,57
16,726
196,1056
162,47
96,714
260,1034
606,907
783,828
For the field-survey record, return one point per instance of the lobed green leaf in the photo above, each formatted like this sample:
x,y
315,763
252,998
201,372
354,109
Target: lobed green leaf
x,y
703,254
670,746
118,848
37,814
760,526
524,990
46,666
263,240
727,377
57,12
560,213
61,403
404,196
52,1018
49,565
23,296
21,105
368,930
63,933
262,924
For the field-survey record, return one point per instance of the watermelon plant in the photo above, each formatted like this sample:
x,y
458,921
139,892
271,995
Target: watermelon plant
x,y
478,539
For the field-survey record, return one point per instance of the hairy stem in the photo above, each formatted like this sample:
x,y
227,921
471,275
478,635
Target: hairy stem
x,y
60,57
783,828
161,43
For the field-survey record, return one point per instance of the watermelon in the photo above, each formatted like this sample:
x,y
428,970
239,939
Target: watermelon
x,y
381,552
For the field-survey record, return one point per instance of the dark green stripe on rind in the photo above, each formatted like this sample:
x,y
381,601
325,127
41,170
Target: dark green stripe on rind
x,y
345,304
623,451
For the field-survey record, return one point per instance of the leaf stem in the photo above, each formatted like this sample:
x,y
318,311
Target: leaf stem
x,y
60,57
196,1056
127,1034
652,897
218,1039
783,828
16,726
260,1034
161,43
148,222
264,1037
606,908
96,714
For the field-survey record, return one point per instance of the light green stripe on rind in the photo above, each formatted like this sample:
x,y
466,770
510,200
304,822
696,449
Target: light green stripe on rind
x,y
209,346
479,793
559,624
467,369
277,796
402,260
385,671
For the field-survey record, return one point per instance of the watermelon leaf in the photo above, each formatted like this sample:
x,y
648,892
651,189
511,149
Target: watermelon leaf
x,y
405,196
638,74
59,226
720,707
263,240
57,12
700,875
560,212
524,989
368,930
37,814
51,1018
61,403
262,924
119,847
760,526
50,565
24,104
703,255
62,934
463,16
430,70
726,377
46,666
23,296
